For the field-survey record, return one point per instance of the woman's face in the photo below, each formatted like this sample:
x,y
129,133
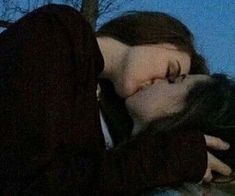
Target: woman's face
x,y
162,98
144,64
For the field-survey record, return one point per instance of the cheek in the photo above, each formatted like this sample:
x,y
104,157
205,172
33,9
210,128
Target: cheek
x,y
166,107
173,101
142,106
129,81
124,87
124,84
149,105
137,108
138,71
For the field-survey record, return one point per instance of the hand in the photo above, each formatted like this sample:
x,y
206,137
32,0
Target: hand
x,y
214,164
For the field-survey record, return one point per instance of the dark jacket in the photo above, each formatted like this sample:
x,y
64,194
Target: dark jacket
x,y
51,141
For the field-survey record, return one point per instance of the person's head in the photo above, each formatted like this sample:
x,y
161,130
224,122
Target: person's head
x,y
142,29
207,102
202,103
161,99
199,101
152,42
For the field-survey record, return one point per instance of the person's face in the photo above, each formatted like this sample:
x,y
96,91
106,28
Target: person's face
x,y
161,99
144,64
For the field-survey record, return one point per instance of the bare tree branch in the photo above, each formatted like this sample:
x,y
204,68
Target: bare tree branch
x,y
90,10
103,7
74,3
107,6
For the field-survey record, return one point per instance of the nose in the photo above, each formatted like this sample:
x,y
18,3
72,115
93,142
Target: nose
x,y
180,78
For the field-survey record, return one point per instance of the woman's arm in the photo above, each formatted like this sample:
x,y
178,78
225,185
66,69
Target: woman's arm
x,y
147,161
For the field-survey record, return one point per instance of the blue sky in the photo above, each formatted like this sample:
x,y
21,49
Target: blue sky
x,y
211,21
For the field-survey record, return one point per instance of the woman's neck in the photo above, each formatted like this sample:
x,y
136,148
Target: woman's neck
x,y
113,52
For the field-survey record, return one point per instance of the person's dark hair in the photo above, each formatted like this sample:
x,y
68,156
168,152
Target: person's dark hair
x,y
210,108
142,28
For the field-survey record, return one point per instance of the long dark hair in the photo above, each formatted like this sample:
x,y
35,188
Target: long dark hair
x,y
210,108
142,28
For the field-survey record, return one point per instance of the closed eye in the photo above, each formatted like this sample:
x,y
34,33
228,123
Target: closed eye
x,y
173,71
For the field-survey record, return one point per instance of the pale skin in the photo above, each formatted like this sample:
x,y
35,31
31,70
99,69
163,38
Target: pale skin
x,y
214,164
133,68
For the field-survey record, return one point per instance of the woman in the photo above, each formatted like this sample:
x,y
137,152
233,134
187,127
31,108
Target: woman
x,y
51,141
195,102
139,29
209,106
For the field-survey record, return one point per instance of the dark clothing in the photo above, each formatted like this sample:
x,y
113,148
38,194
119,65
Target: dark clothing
x,y
51,141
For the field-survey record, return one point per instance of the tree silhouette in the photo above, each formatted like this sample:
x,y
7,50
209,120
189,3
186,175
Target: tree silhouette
x,y
91,9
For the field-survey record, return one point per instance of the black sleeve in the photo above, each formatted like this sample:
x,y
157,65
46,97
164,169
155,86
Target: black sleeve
x,y
146,161
50,138
49,64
